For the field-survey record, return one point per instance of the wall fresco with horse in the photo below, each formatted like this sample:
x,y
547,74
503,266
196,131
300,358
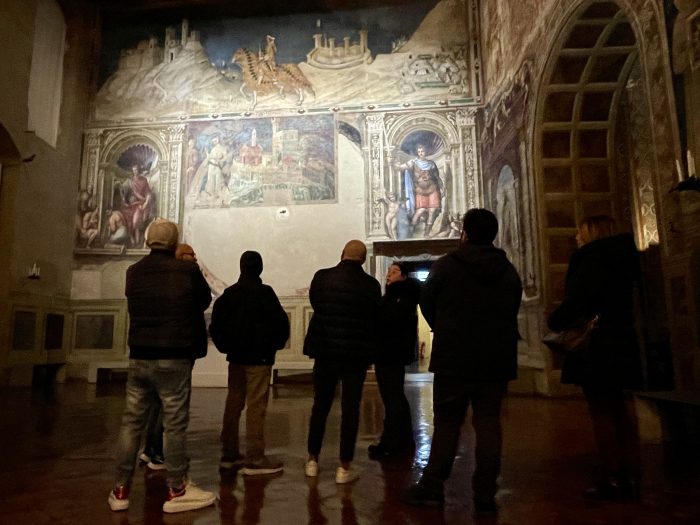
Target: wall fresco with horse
x,y
343,59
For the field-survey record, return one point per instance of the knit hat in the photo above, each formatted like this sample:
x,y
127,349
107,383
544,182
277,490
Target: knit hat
x,y
251,263
354,251
162,234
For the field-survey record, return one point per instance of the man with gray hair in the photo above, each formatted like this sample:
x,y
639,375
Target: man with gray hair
x,y
341,339
166,298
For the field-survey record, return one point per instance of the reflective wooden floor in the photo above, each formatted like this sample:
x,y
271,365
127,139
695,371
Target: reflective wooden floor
x,y
57,468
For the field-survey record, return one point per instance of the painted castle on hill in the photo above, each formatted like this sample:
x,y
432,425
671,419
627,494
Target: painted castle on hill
x,y
436,64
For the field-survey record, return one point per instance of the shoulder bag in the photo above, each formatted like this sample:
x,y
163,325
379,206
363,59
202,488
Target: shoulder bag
x,y
573,339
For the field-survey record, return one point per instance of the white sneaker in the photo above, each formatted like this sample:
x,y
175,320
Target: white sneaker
x,y
119,498
156,464
144,458
346,476
189,497
311,468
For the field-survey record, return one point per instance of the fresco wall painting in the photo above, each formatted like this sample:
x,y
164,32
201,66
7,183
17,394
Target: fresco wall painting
x,y
266,161
199,119
422,171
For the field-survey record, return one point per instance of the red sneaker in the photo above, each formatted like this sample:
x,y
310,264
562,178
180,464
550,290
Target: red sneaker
x,y
119,498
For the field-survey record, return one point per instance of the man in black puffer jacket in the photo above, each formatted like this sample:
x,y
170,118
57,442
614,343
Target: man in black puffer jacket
x,y
249,325
471,301
342,339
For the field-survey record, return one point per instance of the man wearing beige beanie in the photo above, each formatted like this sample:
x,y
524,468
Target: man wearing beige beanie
x,y
166,298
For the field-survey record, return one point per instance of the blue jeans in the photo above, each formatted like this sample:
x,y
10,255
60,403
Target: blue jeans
x,y
149,380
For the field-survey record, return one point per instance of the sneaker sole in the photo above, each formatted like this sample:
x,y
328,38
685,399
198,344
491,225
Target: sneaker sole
x,y
348,480
118,504
170,507
156,466
260,471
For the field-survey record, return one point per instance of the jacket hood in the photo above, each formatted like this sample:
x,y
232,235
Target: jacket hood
x,y
485,261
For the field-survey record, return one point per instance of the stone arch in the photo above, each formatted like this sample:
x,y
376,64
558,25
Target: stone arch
x,y
578,95
400,128
105,173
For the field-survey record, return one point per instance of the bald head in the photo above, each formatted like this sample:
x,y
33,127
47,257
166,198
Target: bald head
x,y
354,251
185,252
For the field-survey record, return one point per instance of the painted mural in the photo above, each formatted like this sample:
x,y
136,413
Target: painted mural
x,y
329,60
423,171
243,117
116,218
265,161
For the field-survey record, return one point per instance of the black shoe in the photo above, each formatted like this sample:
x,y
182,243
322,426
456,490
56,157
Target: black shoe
x,y
378,451
485,507
381,451
419,495
629,489
607,490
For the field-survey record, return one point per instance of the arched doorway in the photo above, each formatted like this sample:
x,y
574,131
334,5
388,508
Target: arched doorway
x,y
591,102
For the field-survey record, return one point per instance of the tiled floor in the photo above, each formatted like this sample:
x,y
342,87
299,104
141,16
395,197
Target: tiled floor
x,y
57,466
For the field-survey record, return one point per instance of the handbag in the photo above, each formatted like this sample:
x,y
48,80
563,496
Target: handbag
x,y
573,339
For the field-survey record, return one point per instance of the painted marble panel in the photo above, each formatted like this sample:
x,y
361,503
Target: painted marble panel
x,y
350,58
261,162
509,26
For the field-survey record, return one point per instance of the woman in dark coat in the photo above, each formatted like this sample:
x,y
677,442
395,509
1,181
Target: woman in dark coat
x,y
398,320
600,281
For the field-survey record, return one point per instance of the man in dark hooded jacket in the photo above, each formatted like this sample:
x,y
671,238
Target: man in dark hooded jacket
x,y
471,301
249,325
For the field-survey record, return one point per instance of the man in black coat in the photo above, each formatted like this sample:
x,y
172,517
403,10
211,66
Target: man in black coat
x,y
398,320
166,298
342,340
471,301
249,325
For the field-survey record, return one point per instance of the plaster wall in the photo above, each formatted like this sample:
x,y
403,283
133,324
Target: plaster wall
x,y
37,198
293,248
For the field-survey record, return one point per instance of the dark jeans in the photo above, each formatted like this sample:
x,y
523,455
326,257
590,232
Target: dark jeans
x,y
451,399
615,430
398,430
149,380
154,432
327,375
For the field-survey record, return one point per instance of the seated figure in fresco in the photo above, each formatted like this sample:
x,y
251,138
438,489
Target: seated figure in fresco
x,y
424,190
138,205
86,219
118,231
89,227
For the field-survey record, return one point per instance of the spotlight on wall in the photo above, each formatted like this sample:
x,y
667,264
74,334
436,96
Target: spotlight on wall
x,y
34,272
